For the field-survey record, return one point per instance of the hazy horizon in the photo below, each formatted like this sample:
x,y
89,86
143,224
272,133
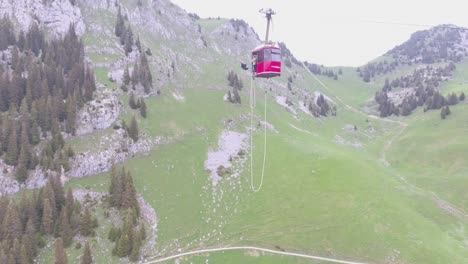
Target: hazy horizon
x,y
337,33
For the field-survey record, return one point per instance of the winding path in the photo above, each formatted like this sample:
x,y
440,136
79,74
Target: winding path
x,y
277,252
441,203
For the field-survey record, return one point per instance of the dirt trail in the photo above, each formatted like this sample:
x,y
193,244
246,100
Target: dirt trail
x,y
284,253
446,206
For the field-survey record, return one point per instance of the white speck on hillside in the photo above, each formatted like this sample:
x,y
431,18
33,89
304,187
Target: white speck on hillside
x,y
178,97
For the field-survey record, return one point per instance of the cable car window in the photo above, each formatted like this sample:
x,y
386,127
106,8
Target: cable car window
x,y
276,55
255,57
267,55
260,56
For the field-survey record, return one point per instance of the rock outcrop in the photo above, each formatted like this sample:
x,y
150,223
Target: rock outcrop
x,y
54,15
114,148
99,114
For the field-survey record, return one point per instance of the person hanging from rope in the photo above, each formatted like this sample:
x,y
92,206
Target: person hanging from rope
x,y
253,63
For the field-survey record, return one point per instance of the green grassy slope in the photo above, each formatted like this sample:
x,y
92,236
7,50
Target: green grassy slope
x,y
319,196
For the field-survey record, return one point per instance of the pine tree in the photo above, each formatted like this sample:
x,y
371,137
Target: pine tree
x,y
145,77
58,191
443,114
123,246
133,130
24,161
138,44
119,25
49,193
21,40
11,225
126,76
135,74
70,126
86,228
24,258
462,96
236,97
30,239
21,173
3,256
64,228
60,255
143,108
131,102
453,99
128,41
113,234
34,130
123,35
47,217
11,259
136,245
16,250
11,157
129,195
143,232
87,257
115,187
69,201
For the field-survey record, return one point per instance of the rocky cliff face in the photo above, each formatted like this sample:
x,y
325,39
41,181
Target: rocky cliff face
x,y
54,15
241,36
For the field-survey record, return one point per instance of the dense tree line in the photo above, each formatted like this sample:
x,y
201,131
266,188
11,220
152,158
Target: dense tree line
x,y
321,70
26,223
425,83
373,69
41,90
320,107
141,75
239,24
194,16
439,44
130,236
122,190
235,82
125,34
427,77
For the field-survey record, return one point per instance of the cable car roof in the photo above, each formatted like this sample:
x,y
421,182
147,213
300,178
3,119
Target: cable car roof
x,y
262,46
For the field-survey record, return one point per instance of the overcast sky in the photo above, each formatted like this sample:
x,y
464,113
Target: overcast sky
x,y
337,32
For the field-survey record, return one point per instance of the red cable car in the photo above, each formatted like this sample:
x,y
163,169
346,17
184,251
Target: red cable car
x,y
266,59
